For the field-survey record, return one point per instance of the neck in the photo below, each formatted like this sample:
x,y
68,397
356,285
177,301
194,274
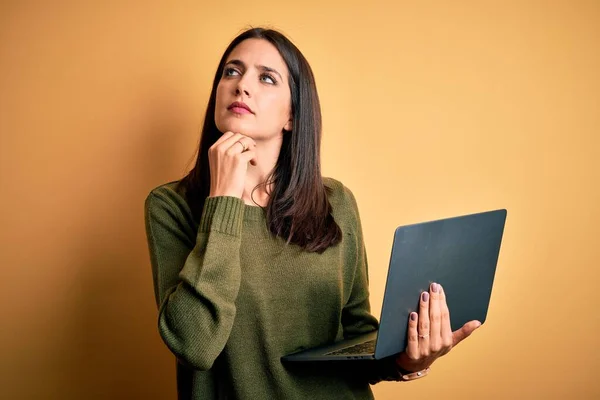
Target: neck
x,y
267,153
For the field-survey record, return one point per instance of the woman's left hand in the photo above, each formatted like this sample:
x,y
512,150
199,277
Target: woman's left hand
x,y
429,333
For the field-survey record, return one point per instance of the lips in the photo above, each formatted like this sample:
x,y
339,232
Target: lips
x,y
239,107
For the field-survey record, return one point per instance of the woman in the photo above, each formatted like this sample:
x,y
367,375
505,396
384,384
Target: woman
x,y
255,255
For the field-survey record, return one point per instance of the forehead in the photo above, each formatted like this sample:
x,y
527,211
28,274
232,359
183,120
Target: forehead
x,y
255,52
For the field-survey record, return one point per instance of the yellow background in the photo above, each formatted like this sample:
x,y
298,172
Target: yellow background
x,y
431,109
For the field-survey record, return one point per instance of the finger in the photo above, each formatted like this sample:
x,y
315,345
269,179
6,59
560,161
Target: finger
x,y
229,142
249,156
412,347
464,332
423,326
446,331
223,137
237,147
224,142
435,340
246,143
231,145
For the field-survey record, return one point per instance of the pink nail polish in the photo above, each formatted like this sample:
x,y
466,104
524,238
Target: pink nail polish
x,y
413,316
434,287
425,296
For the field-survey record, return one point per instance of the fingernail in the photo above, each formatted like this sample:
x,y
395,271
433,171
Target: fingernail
x,y
434,287
413,316
425,296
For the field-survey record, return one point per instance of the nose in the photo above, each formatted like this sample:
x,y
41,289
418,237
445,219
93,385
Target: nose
x,y
242,87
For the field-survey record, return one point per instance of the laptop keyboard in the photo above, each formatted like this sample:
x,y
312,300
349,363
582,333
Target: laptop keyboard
x,y
361,348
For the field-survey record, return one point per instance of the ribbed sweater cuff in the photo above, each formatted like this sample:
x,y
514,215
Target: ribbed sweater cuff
x,y
223,214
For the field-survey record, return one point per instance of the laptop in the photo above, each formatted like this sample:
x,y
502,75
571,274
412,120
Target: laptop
x,y
460,253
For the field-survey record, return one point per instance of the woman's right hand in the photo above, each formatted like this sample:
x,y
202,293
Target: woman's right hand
x,y
228,161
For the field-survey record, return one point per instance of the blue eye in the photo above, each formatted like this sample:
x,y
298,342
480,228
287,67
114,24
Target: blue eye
x,y
268,79
230,72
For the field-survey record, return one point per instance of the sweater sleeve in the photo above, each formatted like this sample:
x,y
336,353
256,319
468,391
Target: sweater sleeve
x,y
356,315
196,281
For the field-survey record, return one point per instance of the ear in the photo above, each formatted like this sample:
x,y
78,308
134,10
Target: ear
x,y
288,125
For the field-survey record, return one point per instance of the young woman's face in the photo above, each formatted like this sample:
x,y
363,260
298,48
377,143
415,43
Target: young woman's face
x,y
256,77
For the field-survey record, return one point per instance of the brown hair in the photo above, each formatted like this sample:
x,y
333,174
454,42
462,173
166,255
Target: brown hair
x,y
298,209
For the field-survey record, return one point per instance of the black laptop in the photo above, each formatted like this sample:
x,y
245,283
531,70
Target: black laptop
x,y
460,253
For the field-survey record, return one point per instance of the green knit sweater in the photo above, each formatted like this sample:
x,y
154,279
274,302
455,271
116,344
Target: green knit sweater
x,y
233,299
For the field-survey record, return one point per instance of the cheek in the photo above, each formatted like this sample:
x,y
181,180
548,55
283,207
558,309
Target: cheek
x,y
220,89
218,115
221,99
280,105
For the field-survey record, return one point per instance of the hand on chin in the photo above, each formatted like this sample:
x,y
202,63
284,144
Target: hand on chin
x,y
237,127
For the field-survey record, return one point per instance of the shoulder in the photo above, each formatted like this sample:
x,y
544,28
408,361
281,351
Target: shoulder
x,y
167,201
342,200
165,191
163,195
338,192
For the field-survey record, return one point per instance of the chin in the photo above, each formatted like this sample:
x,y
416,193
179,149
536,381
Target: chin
x,y
235,125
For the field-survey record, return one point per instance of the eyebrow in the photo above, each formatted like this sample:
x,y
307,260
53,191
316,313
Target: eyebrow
x,y
240,63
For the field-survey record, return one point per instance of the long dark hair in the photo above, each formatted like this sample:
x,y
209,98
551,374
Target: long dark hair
x,y
298,209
